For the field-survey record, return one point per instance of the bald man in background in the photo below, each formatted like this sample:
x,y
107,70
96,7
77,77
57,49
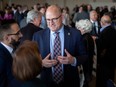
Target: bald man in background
x,y
106,46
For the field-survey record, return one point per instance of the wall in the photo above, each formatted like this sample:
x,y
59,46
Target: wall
x,y
62,3
30,3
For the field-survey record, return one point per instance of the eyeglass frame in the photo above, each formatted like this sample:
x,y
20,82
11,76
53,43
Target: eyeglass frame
x,y
17,33
53,19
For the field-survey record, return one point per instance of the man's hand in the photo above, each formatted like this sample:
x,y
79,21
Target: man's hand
x,y
46,62
69,59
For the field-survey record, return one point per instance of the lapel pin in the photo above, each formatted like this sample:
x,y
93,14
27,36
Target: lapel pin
x,y
68,33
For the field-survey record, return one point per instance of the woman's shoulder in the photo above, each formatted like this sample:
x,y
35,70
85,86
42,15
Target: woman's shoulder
x,y
36,82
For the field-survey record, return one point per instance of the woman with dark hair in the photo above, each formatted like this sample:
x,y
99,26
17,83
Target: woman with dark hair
x,y
27,64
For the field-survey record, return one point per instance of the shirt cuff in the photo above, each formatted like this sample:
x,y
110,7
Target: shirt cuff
x,y
75,62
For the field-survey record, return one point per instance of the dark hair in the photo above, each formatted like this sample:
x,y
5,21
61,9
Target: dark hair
x,y
27,61
5,27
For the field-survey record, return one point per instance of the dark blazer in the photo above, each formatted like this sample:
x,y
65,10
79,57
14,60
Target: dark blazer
x,y
94,32
88,65
36,82
73,44
107,45
106,60
28,31
6,77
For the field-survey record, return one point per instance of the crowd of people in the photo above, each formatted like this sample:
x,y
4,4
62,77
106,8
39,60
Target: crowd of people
x,y
47,45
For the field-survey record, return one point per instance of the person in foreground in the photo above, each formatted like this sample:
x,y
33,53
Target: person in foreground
x,y
62,50
9,38
27,64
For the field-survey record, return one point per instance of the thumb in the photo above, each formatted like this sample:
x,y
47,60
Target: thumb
x,y
67,53
48,56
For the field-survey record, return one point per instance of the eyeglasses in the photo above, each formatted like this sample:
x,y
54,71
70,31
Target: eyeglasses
x,y
53,19
17,33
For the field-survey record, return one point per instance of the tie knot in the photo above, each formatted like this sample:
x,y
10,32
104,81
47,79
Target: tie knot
x,y
93,23
57,33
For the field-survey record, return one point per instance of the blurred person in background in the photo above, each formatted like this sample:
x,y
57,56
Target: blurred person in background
x,y
43,21
85,26
33,25
65,14
106,46
95,24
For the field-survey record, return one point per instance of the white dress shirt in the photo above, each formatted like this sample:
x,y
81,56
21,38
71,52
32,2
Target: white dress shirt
x,y
10,49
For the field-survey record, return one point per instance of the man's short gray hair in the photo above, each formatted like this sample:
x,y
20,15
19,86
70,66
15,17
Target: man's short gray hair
x,y
33,14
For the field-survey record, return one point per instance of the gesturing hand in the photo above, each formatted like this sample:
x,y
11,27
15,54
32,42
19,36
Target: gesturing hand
x,y
68,59
46,62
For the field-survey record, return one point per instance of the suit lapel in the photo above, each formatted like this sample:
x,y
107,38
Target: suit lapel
x,y
6,52
67,35
67,39
46,39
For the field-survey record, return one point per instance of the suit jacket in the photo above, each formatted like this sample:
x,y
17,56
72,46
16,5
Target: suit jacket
x,y
106,44
73,44
88,65
106,60
28,31
94,32
6,77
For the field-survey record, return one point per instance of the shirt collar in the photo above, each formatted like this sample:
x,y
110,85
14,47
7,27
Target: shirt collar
x,y
60,30
10,49
93,21
104,27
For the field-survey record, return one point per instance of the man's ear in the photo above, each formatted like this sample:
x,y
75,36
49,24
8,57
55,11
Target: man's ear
x,y
6,37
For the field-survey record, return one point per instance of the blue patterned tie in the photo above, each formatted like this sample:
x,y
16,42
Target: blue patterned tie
x,y
58,73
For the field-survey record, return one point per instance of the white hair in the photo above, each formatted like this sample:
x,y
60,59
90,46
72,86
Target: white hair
x,y
84,24
31,15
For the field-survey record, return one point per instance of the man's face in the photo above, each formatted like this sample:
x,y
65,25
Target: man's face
x,y
54,20
37,21
94,16
15,36
43,10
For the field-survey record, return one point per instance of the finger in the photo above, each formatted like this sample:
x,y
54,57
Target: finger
x,y
59,57
51,62
67,53
49,65
64,61
48,56
54,63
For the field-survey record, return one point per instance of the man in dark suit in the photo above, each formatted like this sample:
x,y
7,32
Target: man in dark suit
x,y
95,23
9,37
72,50
106,46
33,23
